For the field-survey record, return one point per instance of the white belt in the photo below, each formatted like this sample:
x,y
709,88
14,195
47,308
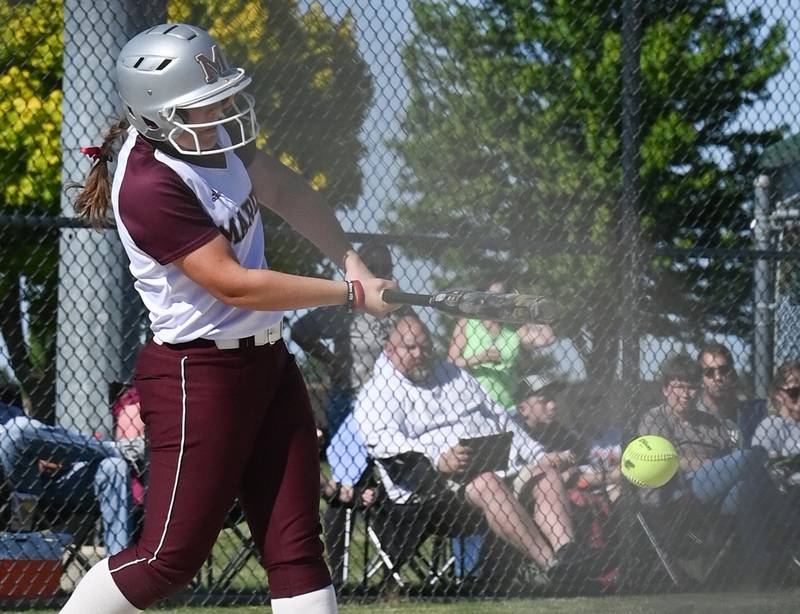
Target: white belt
x,y
271,335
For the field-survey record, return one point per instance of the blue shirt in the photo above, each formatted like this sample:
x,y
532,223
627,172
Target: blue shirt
x,y
7,412
347,453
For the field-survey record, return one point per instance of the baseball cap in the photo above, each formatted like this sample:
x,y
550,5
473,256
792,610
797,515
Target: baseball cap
x,y
539,383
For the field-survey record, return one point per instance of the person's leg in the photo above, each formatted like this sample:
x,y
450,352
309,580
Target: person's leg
x,y
507,518
103,482
98,593
319,601
280,497
551,508
203,408
713,480
741,485
112,489
24,440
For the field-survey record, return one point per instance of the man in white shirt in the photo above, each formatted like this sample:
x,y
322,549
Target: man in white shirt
x,y
414,404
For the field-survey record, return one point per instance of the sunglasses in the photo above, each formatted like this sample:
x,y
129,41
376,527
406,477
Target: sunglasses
x,y
793,393
723,370
686,386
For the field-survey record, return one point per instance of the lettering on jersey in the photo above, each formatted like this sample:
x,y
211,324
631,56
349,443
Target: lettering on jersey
x,y
237,226
215,195
214,67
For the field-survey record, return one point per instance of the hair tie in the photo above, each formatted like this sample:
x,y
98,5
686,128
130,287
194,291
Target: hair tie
x,y
96,154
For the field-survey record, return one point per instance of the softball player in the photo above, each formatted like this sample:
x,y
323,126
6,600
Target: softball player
x,y
225,406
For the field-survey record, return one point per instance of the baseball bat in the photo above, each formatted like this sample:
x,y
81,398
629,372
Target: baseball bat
x,y
507,308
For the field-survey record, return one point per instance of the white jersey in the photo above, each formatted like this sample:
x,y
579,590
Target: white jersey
x,y
166,206
395,415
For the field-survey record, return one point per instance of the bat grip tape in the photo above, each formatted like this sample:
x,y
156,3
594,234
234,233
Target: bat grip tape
x,y
405,298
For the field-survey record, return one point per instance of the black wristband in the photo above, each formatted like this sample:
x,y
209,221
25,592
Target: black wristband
x,y
351,295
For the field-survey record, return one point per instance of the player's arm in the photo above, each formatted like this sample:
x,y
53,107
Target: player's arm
x,y
214,267
287,194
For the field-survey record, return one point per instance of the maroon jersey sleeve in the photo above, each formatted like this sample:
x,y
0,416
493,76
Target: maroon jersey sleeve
x,y
162,215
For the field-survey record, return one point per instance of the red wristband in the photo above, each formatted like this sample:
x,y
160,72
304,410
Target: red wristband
x,y
359,299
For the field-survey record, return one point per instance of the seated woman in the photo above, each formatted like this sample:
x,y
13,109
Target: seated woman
x,y
779,432
489,350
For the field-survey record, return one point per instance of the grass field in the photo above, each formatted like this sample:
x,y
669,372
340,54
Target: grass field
x,y
706,603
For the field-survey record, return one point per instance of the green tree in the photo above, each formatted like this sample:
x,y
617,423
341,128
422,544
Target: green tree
x,y
313,91
514,131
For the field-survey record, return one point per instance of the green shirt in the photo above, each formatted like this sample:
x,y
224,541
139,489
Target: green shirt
x,y
497,378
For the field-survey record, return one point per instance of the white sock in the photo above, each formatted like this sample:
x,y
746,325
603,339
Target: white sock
x,y
322,601
97,593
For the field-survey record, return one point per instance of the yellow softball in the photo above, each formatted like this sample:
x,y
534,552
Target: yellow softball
x,y
649,461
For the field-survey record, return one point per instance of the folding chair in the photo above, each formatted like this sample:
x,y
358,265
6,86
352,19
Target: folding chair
x,y
430,569
686,540
401,533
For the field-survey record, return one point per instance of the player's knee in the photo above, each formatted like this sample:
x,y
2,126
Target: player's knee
x,y
170,575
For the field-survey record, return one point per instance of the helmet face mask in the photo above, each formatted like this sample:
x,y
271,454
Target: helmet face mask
x,y
238,117
172,67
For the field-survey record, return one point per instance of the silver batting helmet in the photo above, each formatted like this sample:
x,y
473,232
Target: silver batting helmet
x,y
176,66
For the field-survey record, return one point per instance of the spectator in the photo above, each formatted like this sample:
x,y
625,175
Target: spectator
x,y
60,466
489,350
357,338
712,469
579,461
779,433
129,433
721,395
413,403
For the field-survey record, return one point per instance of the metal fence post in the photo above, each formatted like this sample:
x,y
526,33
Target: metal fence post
x,y
762,294
93,285
631,194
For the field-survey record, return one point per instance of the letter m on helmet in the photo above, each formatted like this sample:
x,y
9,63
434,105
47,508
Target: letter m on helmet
x,y
212,67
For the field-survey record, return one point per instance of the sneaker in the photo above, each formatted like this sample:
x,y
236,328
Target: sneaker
x,y
533,576
568,556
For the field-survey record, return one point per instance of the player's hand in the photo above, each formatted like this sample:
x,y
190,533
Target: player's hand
x,y
373,303
454,460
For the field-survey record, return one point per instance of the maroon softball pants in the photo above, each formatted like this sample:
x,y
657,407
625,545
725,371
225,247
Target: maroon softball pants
x,y
222,424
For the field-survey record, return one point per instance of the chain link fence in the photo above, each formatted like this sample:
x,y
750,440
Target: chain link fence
x,y
633,161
